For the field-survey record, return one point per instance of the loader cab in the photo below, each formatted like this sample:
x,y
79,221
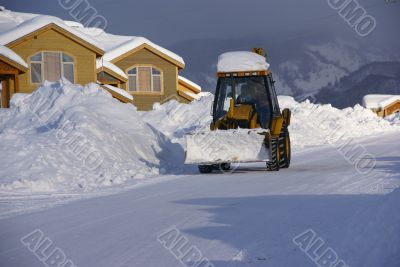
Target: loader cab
x,y
251,89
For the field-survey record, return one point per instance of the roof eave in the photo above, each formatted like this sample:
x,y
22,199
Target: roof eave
x,y
98,51
19,67
155,51
112,73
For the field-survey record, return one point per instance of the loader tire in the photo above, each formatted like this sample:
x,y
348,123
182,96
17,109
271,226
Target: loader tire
x,y
285,152
205,168
225,167
273,163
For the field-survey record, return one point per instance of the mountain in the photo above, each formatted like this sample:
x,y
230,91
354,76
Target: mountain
x,y
373,78
305,63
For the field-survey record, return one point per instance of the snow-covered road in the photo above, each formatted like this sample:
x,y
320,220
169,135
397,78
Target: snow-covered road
x,y
247,218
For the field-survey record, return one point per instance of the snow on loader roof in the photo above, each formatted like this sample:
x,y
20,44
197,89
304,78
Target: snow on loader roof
x,y
241,61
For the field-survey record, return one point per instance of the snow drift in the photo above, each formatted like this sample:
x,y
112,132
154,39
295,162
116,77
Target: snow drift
x,y
70,138
311,124
316,124
65,137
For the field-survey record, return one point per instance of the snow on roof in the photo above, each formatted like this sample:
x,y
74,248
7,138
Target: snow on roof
x,y
185,80
119,91
117,45
241,61
107,64
41,21
8,53
135,42
73,24
379,101
14,25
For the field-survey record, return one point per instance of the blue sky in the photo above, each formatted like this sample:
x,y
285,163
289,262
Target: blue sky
x,y
173,21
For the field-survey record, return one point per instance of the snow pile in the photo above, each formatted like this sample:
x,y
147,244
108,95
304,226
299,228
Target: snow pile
x,y
8,53
69,138
65,137
241,61
174,119
394,119
315,124
311,124
239,145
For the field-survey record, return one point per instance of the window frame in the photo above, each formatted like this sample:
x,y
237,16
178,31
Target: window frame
x,y
73,63
152,92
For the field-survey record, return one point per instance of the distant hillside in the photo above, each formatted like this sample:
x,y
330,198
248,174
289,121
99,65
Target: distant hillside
x,y
373,78
303,64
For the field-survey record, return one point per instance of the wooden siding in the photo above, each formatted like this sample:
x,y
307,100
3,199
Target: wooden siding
x,y
169,73
9,81
51,40
392,108
6,68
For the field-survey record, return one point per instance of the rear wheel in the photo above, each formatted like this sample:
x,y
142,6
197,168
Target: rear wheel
x,y
284,149
273,163
225,166
205,168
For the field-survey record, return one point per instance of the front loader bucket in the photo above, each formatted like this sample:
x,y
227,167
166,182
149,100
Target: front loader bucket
x,y
226,146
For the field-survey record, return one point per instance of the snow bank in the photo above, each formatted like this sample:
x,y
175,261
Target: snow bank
x,y
239,145
311,124
174,119
315,124
8,53
69,138
241,61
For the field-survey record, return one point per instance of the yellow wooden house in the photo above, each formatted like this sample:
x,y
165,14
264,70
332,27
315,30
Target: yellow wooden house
x,y
133,67
382,105
11,66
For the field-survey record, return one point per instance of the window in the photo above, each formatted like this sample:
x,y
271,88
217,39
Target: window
x,y
51,66
144,79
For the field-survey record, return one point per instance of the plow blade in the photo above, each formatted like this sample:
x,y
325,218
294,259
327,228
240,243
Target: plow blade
x,y
226,146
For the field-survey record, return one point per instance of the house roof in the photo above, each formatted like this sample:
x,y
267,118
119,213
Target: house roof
x,y
379,101
188,83
11,58
15,26
118,93
41,22
190,90
119,46
138,43
110,68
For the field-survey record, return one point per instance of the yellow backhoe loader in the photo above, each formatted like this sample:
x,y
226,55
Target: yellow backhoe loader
x,y
247,125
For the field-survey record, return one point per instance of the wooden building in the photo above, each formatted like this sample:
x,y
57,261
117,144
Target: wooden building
x,y
11,66
152,73
52,49
382,105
